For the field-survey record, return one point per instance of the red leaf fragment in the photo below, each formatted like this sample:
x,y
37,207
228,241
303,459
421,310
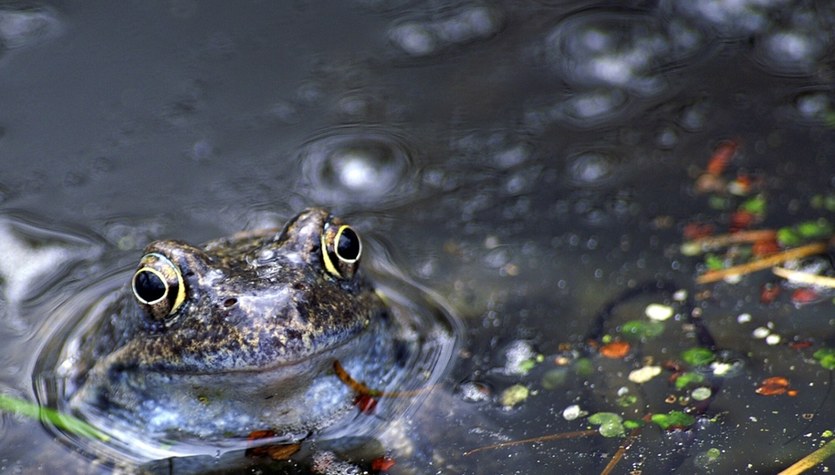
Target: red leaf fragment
x,y
382,464
804,295
773,386
694,231
769,292
365,403
722,155
765,247
260,434
615,349
801,344
741,220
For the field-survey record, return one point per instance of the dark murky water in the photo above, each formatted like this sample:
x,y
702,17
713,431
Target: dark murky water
x,y
526,161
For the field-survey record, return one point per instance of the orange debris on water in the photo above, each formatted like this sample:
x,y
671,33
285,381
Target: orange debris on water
x,y
773,386
721,157
615,349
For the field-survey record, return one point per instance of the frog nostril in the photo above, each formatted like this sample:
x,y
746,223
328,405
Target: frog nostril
x,y
230,302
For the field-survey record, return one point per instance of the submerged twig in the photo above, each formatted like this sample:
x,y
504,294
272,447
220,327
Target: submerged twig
x,y
811,460
533,440
362,389
763,263
801,277
618,455
724,240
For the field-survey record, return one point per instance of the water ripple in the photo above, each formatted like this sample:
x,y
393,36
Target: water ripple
x,y
357,166
27,25
632,51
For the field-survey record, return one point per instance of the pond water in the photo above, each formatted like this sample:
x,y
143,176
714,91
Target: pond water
x,y
532,167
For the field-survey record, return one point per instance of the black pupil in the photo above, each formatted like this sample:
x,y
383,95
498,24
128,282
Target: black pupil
x,y
348,246
149,286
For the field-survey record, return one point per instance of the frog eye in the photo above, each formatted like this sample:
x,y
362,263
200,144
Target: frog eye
x,y
158,286
341,250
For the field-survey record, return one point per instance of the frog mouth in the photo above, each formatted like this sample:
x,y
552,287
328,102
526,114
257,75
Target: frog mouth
x,y
153,356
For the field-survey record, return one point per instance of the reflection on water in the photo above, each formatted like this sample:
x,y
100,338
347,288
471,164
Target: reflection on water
x,y
527,161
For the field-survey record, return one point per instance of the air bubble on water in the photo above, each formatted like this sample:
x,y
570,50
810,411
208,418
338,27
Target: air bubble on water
x,y
813,105
512,156
356,166
591,168
472,391
790,51
436,33
629,51
201,150
729,18
327,463
516,355
692,118
414,39
667,138
283,111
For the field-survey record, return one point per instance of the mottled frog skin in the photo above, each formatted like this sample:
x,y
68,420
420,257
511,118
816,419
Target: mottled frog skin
x,y
240,335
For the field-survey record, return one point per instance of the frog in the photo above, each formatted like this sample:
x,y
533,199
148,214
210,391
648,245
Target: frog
x,y
207,345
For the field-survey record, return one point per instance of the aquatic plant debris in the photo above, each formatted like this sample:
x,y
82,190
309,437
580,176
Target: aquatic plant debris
x,y
644,374
658,312
642,329
58,419
514,395
615,349
697,356
609,424
826,357
774,386
715,275
800,277
673,420
688,378
810,461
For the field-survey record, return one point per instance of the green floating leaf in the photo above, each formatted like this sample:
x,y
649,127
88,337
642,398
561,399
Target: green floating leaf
x,y
554,378
642,329
688,378
611,424
697,356
584,367
826,357
626,400
632,424
673,420
714,262
804,231
755,205
58,419
819,228
713,454
718,202
514,395
788,237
